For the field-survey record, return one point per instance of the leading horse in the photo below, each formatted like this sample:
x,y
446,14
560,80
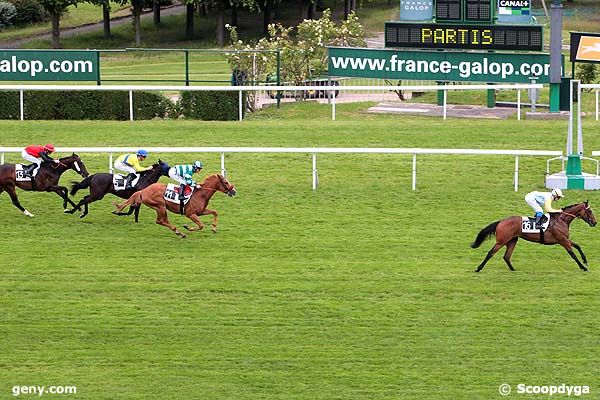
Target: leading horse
x,y
46,180
153,197
101,184
509,230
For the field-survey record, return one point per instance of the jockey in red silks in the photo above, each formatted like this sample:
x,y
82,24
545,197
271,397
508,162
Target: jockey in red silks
x,y
36,154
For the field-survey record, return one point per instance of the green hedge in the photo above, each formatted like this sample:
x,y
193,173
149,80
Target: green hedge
x,y
78,105
114,105
210,106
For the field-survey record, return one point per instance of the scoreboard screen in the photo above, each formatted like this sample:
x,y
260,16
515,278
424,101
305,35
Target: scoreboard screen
x,y
463,10
460,36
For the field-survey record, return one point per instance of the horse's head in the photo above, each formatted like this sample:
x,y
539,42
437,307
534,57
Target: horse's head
x,y
76,164
161,167
587,215
218,183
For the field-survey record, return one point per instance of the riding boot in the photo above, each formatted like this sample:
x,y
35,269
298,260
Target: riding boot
x,y
28,170
181,197
538,221
128,180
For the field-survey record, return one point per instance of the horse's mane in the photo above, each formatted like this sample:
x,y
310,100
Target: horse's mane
x,y
572,205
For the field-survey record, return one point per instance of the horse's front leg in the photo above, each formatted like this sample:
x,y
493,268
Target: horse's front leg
x,y
63,192
578,247
196,220
213,226
567,245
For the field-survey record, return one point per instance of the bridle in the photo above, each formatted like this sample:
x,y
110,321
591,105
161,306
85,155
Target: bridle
x,y
587,207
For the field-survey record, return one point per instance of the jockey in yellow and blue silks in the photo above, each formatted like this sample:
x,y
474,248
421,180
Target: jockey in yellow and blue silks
x,y
182,174
538,199
130,163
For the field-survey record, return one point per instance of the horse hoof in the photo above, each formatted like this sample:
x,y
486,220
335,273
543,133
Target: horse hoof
x,y
183,236
187,227
67,211
82,215
28,214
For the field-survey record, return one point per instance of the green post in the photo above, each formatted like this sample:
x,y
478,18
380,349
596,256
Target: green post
x,y
187,67
278,78
99,81
491,98
440,95
554,97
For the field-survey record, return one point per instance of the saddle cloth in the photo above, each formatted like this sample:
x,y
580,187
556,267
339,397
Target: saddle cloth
x,y
119,181
172,193
528,224
20,175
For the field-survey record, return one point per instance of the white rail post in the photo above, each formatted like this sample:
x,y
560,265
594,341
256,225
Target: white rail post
x,y
333,107
2,158
445,100
518,104
315,173
516,173
110,162
131,105
414,172
223,170
22,104
240,110
597,90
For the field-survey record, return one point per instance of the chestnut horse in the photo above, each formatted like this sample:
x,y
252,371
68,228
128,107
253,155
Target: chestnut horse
x,y
152,196
46,180
508,231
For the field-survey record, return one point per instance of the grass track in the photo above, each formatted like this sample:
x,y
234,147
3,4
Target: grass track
x,y
361,290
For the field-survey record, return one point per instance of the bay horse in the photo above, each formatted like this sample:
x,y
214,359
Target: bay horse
x,y
101,184
46,180
509,230
152,196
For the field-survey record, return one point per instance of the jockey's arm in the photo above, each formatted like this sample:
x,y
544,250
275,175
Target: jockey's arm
x,y
45,157
134,163
548,206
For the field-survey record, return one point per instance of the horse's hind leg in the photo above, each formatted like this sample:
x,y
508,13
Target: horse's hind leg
x,y
15,200
489,255
585,262
161,219
510,247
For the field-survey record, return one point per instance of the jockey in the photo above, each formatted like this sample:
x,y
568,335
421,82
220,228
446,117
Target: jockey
x,y
537,199
182,174
36,154
130,163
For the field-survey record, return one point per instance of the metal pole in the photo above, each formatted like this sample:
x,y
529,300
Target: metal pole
x,y
445,99
278,78
315,174
518,104
131,105
2,158
240,111
579,128
110,162
333,108
187,67
597,104
414,171
570,126
223,170
516,173
22,104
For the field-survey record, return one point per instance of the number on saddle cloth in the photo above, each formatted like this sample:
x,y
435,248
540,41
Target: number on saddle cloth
x,y
528,224
119,181
172,193
22,172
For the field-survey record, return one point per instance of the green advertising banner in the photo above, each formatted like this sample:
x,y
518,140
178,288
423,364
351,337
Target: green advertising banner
x,y
452,66
49,65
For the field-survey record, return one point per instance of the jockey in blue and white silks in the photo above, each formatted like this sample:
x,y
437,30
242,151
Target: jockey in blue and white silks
x,y
538,199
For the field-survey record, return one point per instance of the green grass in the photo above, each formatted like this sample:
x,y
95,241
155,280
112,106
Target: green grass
x,y
361,290
84,13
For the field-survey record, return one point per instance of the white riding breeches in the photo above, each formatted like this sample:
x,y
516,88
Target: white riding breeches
x,y
124,167
33,159
530,199
177,178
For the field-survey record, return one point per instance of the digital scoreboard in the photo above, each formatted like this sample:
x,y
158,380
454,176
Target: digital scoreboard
x,y
462,36
463,10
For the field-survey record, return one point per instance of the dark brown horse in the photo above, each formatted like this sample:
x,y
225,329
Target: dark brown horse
x,y
509,230
46,180
101,184
152,196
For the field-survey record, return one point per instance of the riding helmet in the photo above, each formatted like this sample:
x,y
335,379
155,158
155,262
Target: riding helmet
x,y
142,153
198,164
49,147
557,193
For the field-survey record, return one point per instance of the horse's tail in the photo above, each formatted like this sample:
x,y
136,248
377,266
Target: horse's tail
x,y
485,234
84,184
134,200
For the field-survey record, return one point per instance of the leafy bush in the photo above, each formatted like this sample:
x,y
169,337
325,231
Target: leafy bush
x,y
29,12
588,73
7,14
109,105
9,105
210,106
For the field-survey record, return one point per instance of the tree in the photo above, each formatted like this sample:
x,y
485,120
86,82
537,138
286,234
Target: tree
x,y
56,8
190,7
137,7
106,13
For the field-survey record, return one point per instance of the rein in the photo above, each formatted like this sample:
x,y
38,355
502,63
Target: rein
x,y
571,215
